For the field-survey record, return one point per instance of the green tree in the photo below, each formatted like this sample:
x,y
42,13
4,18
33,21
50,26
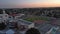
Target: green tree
x,y
32,31
2,26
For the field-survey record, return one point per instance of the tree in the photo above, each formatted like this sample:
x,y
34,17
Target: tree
x,y
2,26
32,31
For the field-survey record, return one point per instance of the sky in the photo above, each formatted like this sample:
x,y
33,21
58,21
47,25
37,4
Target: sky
x,y
29,3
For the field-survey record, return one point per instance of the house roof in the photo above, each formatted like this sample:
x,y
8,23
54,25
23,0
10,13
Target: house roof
x,y
24,22
39,21
55,22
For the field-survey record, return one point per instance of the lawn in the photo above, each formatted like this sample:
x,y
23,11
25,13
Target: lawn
x,y
31,19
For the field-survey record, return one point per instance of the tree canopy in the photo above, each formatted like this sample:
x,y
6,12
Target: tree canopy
x,y
32,31
2,26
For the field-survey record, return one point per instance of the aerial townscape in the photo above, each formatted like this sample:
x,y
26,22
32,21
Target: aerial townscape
x,y
30,20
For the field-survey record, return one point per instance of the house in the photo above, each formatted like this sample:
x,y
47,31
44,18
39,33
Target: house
x,y
3,16
26,23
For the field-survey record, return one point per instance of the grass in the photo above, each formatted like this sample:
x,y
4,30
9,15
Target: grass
x,y
31,19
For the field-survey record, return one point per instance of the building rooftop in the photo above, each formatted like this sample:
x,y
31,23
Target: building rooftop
x,y
25,22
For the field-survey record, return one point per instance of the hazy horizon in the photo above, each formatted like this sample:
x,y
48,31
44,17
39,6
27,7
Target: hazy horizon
x,y
29,3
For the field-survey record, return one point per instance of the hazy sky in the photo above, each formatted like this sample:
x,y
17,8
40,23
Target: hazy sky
x,y
28,3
